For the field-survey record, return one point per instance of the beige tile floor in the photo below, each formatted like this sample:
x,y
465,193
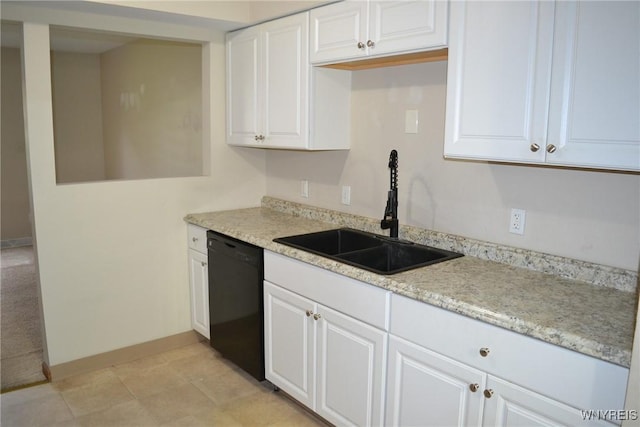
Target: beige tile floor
x,y
189,386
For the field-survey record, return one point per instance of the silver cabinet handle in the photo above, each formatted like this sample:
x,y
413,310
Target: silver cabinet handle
x,y
534,147
204,264
309,313
551,148
474,387
488,393
316,316
360,45
484,352
194,239
370,43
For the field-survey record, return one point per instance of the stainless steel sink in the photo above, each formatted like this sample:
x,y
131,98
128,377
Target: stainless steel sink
x,y
369,251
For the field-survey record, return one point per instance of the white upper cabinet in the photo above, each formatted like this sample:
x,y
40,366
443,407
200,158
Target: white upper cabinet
x,y
499,75
357,29
274,98
244,109
594,118
545,82
268,81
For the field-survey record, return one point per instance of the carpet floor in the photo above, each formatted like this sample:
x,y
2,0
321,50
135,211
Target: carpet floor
x,y
20,326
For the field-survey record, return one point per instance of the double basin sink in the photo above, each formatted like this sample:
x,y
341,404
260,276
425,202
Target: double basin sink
x,y
369,251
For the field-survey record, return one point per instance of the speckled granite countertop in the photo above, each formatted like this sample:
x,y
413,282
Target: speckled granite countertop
x,y
591,319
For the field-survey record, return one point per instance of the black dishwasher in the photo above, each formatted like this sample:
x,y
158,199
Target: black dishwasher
x,y
236,302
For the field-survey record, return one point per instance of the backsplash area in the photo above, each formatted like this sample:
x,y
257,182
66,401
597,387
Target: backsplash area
x,y
596,274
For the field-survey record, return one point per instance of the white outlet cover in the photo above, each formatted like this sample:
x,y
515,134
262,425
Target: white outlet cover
x,y
346,195
517,221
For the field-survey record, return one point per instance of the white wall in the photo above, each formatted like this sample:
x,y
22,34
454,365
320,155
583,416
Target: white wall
x,y
157,130
15,191
79,147
587,215
112,256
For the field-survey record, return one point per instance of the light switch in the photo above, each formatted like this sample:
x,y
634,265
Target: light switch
x,y
411,121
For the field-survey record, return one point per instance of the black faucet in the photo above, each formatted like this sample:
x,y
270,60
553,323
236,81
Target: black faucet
x,y
390,219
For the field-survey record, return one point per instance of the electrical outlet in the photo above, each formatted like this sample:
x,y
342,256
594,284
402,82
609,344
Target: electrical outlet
x,y
346,195
304,188
516,223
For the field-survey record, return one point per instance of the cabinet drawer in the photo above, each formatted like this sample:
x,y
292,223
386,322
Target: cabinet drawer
x,y
352,297
197,238
573,378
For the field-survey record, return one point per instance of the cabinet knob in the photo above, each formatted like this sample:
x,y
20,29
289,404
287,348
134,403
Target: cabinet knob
x,y
370,43
256,138
551,148
309,313
316,316
474,387
360,45
488,393
204,264
534,147
484,352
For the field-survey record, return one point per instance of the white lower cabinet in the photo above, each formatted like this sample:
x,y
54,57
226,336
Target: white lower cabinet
x,y
447,369
350,366
428,389
289,343
507,404
328,360
198,279
358,355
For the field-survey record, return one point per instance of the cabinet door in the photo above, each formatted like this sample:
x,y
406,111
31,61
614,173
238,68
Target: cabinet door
x,y
428,389
244,120
286,91
498,79
595,105
199,284
399,26
336,31
350,370
512,405
289,340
